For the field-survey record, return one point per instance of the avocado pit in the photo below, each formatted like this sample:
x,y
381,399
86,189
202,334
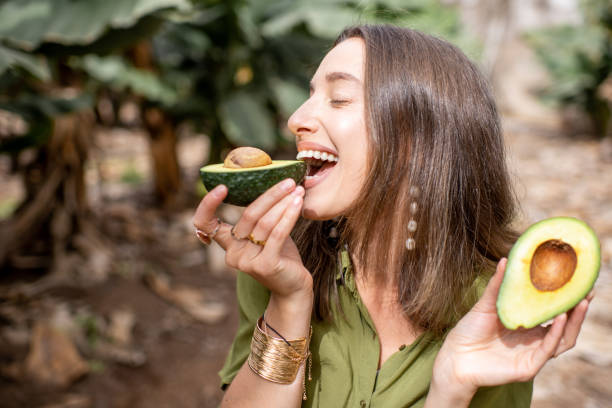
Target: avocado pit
x,y
553,264
246,157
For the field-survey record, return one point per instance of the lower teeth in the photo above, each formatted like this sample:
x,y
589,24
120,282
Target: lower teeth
x,y
311,171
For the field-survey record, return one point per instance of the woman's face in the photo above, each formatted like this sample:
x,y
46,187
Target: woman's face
x,y
331,133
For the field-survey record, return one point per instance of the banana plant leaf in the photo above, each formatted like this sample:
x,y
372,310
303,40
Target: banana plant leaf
x,y
119,75
30,104
36,66
246,121
111,41
325,20
29,23
38,111
571,54
289,96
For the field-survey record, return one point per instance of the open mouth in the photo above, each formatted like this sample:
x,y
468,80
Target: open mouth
x,y
318,162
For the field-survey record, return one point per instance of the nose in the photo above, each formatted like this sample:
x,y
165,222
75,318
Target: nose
x,y
303,121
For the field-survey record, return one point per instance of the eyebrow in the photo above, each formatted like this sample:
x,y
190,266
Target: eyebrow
x,y
337,76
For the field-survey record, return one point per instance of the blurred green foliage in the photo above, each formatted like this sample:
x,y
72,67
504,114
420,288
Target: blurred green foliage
x,y
38,38
231,69
35,41
131,175
241,67
7,207
234,68
579,60
90,326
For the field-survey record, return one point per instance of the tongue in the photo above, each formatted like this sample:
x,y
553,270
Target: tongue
x,y
320,170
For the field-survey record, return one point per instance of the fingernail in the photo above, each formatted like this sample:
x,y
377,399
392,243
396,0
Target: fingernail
x,y
299,191
287,185
203,238
220,189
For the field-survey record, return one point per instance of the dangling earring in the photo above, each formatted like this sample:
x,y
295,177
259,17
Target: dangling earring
x,y
412,224
333,230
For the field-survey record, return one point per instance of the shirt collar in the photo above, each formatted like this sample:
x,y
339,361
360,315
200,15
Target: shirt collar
x,y
345,271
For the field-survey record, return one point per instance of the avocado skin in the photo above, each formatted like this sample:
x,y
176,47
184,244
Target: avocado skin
x,y
245,185
539,307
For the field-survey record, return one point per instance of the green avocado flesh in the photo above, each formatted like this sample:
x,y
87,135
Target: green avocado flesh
x,y
550,269
245,185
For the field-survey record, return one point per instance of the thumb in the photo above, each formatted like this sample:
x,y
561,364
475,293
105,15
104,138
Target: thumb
x,y
489,297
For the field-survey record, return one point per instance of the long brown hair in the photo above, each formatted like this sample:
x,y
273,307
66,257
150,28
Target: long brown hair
x,y
432,124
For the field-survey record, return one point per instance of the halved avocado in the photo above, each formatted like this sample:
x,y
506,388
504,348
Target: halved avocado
x,y
246,184
550,268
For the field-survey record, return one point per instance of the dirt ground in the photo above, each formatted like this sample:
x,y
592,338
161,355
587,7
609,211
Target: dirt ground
x,y
154,329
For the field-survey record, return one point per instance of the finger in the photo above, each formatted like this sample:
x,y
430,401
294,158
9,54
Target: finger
x,y
204,217
225,239
489,297
551,341
283,228
591,295
572,329
242,254
267,223
262,205
265,226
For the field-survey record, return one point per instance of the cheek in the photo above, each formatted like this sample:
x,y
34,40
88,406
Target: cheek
x,y
349,128
346,125
353,147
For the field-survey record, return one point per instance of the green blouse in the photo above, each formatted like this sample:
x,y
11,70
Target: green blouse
x,y
345,357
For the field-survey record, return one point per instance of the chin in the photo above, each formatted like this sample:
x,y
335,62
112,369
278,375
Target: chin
x,y
317,210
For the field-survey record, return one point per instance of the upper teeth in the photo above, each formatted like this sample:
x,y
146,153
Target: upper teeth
x,y
317,155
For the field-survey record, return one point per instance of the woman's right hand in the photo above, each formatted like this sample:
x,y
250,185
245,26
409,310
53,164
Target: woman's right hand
x,y
277,264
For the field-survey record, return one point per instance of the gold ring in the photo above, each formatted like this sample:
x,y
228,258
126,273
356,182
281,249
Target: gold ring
x,y
205,237
256,241
235,236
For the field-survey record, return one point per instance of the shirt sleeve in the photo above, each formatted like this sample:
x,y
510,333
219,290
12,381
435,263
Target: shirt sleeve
x,y
252,301
515,395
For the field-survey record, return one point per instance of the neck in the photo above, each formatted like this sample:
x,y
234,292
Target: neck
x,y
378,273
379,281
379,296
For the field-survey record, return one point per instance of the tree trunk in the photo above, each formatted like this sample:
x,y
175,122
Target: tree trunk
x,y
41,229
163,140
163,154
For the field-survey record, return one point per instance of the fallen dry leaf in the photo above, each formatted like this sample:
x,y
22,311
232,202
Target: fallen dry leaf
x,y
53,359
190,300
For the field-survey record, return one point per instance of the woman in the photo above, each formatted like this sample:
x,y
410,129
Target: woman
x,y
404,217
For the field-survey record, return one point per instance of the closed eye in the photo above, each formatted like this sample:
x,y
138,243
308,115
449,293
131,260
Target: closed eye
x,y
339,102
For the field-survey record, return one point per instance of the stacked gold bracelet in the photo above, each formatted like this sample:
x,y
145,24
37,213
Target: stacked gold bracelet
x,y
278,360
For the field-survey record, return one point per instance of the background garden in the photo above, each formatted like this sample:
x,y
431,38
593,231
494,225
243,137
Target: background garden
x,y
108,108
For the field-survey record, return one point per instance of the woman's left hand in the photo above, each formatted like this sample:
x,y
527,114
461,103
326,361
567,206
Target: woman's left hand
x,y
480,351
